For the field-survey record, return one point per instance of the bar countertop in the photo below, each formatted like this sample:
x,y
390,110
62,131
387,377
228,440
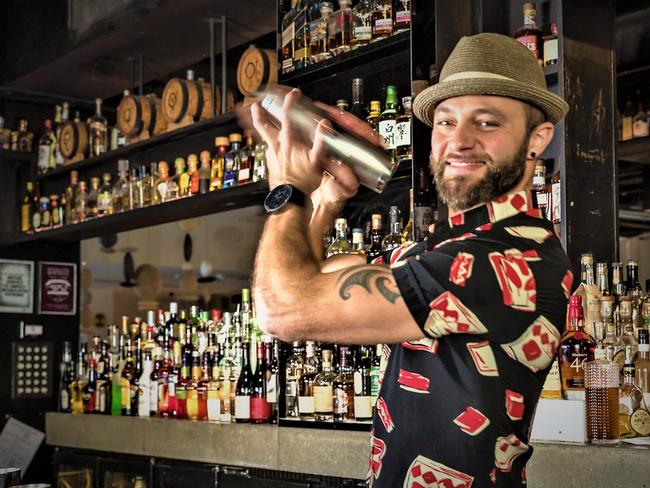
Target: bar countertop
x,y
320,451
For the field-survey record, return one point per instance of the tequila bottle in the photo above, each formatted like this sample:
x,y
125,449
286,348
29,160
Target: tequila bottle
x,y
382,19
341,244
105,196
318,32
218,162
121,201
362,23
98,131
323,389
340,28
81,203
394,238
93,197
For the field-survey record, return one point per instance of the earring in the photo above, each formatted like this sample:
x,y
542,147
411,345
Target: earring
x,y
533,154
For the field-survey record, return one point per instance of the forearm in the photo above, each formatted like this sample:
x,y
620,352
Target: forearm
x,y
320,223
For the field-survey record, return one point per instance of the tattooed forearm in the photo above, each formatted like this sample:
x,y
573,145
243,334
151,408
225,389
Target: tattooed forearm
x,y
365,277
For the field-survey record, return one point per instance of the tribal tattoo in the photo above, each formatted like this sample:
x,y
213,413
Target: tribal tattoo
x,y
366,277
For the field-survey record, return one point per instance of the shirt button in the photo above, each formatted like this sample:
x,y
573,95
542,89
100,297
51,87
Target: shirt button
x,y
417,258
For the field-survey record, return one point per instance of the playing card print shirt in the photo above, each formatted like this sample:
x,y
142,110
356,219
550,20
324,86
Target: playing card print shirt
x,y
489,290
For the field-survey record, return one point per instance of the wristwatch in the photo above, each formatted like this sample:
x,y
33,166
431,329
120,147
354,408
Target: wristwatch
x,y
278,198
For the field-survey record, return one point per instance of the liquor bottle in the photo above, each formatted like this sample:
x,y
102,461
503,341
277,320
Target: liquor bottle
x,y
244,389
388,120
358,108
340,28
618,287
181,177
394,238
66,376
363,386
540,188
342,105
287,39
45,213
24,138
587,269
187,392
634,420
134,384
232,161
81,203
57,211
625,306
374,115
245,174
635,292
627,121
214,394
144,387
408,233
116,385
260,408
98,131
640,122
103,402
120,192
163,375
642,365
200,386
58,123
324,390
93,197
76,390
358,246
204,172
551,46
218,162
375,249
294,370
530,35
614,348
382,19
601,399
362,23
259,166
576,347
272,376
5,136
403,144
301,36
306,383
163,179
402,15
47,149
341,244
153,386
602,278
27,209
227,381
319,22
375,368
105,196
343,388
128,375
193,173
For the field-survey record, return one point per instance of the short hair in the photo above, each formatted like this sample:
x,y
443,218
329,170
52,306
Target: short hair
x,y
534,117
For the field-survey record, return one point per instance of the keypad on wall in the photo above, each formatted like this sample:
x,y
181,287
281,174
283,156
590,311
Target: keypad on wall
x,y
31,370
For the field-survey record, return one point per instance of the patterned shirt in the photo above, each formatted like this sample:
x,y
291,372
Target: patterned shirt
x,y
489,289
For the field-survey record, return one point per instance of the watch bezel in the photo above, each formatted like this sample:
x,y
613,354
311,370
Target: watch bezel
x,y
278,197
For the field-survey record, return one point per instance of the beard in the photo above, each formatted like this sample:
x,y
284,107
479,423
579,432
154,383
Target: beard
x,y
461,193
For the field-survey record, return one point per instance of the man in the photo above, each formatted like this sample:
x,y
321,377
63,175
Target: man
x,y
474,314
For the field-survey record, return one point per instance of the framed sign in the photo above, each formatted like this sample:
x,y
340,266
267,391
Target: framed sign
x,y
16,286
57,288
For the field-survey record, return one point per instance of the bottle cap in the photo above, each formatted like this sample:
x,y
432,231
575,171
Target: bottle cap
x,y
173,308
235,137
375,105
221,141
246,295
216,314
106,176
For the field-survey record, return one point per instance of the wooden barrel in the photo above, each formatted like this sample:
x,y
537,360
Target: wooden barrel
x,y
135,114
188,97
73,139
257,68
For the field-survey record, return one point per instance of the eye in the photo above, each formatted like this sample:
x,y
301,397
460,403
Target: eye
x,y
488,123
443,122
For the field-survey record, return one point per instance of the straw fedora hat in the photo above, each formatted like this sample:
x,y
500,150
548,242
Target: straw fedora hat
x,y
491,64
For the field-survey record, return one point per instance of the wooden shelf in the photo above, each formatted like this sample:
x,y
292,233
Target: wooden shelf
x,y
185,208
204,126
634,150
378,52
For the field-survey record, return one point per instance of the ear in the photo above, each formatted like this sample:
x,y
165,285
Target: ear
x,y
540,138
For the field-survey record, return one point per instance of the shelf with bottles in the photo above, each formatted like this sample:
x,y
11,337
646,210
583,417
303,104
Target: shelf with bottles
x,y
636,150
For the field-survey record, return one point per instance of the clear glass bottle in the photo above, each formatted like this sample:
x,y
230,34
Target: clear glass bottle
x,y
642,365
634,420
318,31
152,184
530,35
587,269
306,383
93,196
71,198
363,386
358,107
343,387
382,19
47,149
362,23
259,166
614,348
602,278
394,238
402,15
232,161
144,187
403,143
618,287
341,244
576,347
171,193
625,306
98,131
121,196
635,292
323,389
358,245
294,371
134,195
340,29
105,196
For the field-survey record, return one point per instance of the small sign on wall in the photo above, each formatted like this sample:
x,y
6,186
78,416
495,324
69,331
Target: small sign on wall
x,y
57,288
16,286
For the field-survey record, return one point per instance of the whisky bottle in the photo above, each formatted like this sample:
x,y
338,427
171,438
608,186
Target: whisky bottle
x,y
294,371
93,197
601,399
134,199
362,23
81,203
387,121
394,238
382,19
341,244
105,196
551,46
76,390
323,389
403,143
530,35
287,39
576,347
47,149
340,28
245,174
402,15
232,161
98,131
374,116
301,36
192,401
363,386
343,388
319,22
375,249
27,209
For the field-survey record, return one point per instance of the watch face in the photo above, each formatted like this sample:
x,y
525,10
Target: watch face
x,y
277,198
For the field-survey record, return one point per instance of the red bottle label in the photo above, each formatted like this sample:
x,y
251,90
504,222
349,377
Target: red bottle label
x,y
530,42
260,409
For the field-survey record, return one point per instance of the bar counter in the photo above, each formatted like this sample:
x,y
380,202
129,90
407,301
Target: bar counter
x,y
320,451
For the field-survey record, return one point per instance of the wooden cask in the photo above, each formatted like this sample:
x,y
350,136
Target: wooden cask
x,y
73,140
140,116
257,68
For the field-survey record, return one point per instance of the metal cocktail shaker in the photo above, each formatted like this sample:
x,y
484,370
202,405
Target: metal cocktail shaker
x,y
371,164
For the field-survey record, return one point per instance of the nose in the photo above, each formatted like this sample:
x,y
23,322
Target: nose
x,y
461,138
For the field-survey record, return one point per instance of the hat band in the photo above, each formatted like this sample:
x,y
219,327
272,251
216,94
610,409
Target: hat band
x,y
465,75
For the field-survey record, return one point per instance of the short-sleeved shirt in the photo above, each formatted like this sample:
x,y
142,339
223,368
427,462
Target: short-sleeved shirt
x,y
489,290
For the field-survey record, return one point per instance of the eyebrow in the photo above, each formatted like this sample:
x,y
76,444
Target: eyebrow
x,y
479,111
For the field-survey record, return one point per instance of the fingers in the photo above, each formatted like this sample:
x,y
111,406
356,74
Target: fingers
x,y
352,123
318,150
287,135
344,177
264,127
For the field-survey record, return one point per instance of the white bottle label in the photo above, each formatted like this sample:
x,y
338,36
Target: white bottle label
x,y
358,383
242,407
384,26
153,396
244,174
403,17
323,399
43,157
550,51
214,409
65,400
639,128
403,134
556,198
387,131
144,398
542,198
362,407
363,32
306,404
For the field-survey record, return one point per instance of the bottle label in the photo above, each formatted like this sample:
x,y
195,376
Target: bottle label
x,y
25,218
640,421
43,157
323,399
619,359
530,41
363,33
104,202
244,174
556,199
214,409
36,220
403,134
317,31
552,385
287,49
403,17
387,131
100,402
340,401
271,389
306,404
242,407
291,390
424,217
153,396
551,51
374,383
65,400
260,409
542,199
384,26
362,407
144,408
